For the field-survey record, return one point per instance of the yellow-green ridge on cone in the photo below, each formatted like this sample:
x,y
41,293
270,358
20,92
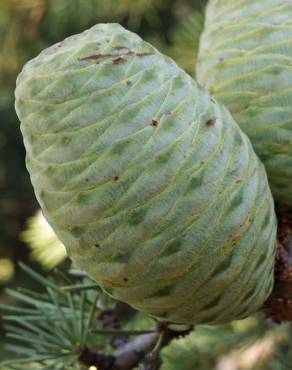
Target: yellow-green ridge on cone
x,y
147,180
245,60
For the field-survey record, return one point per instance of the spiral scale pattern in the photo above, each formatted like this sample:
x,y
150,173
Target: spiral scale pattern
x,y
146,179
245,60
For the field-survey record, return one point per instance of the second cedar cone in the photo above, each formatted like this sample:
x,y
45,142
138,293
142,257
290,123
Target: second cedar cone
x,y
245,60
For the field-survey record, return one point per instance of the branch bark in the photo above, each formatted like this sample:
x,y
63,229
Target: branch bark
x,y
134,353
278,306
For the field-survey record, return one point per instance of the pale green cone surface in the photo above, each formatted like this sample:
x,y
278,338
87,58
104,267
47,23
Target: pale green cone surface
x,y
245,60
148,182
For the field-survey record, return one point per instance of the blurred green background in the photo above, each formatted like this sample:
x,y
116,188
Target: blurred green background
x,y
27,27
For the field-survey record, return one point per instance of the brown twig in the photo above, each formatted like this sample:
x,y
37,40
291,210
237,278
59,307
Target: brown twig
x,y
278,306
143,351
152,360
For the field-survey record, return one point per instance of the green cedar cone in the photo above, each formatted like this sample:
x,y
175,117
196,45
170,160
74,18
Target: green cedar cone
x,y
149,183
245,61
